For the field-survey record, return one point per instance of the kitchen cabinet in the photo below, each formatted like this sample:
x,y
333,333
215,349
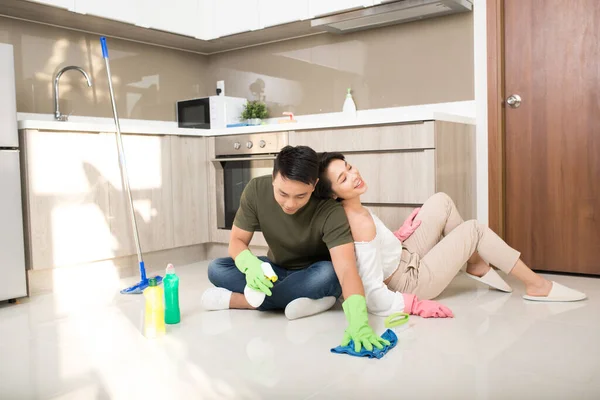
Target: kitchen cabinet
x,y
77,211
190,190
66,198
68,4
321,7
149,169
117,10
405,164
176,16
235,16
404,177
277,12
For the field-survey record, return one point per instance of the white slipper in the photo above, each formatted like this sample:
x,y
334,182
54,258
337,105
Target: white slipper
x,y
215,299
304,307
492,279
558,293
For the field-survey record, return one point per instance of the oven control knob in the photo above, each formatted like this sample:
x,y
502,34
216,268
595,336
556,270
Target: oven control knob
x,y
237,145
249,144
262,144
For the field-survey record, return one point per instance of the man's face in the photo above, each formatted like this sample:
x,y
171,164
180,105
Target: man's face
x,y
291,195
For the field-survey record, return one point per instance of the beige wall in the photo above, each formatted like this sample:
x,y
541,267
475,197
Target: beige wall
x,y
423,62
147,79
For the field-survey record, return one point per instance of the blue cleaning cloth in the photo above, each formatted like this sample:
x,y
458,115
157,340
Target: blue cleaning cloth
x,y
388,335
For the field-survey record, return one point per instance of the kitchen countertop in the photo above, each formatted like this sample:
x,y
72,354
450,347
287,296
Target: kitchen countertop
x,y
462,112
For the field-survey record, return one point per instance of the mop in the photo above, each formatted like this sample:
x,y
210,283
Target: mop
x,y
143,283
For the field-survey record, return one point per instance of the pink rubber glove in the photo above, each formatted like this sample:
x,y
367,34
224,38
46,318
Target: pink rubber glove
x,y
425,308
408,227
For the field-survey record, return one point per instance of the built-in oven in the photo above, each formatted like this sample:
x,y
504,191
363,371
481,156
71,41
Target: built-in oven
x,y
238,159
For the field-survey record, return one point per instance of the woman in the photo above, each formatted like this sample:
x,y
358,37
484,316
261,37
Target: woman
x,y
430,252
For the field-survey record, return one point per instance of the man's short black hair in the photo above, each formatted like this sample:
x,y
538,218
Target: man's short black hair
x,y
323,188
299,163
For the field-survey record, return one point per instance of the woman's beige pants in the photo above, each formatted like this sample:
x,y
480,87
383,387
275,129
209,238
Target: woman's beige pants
x,y
441,245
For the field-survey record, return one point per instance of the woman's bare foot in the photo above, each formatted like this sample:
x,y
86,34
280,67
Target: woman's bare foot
x,y
540,288
479,269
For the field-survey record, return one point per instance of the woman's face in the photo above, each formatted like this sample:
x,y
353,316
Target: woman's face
x,y
345,179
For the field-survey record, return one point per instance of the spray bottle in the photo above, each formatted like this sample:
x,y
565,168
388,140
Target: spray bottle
x,y
255,297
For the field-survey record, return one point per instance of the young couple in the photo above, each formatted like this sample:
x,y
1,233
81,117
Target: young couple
x,y
324,243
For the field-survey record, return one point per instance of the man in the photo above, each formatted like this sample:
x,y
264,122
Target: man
x,y
310,249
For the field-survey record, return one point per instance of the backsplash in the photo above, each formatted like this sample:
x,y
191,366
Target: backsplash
x,y
147,79
424,62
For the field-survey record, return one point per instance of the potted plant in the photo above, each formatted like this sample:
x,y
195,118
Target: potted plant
x,y
254,112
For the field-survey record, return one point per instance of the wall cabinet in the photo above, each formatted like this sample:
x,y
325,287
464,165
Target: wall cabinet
x,y
235,16
320,7
176,16
277,12
123,11
208,19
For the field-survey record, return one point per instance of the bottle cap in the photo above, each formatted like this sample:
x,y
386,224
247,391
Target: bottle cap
x,y
170,269
152,282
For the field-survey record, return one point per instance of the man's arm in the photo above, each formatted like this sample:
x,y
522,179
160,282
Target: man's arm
x,y
239,240
344,264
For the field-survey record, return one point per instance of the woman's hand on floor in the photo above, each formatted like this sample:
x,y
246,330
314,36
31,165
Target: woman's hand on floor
x,y
425,308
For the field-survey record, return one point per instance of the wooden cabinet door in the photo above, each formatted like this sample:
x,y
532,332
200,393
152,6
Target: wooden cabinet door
x,y
367,138
190,190
396,178
149,168
67,199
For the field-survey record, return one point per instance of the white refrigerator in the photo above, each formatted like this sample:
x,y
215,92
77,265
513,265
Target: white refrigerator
x,y
13,283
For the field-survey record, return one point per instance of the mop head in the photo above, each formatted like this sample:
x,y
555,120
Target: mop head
x,y
139,287
389,335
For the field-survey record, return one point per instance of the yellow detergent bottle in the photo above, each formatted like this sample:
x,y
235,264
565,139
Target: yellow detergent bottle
x,y
154,319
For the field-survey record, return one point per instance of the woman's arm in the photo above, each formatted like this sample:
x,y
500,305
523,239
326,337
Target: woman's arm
x,y
380,300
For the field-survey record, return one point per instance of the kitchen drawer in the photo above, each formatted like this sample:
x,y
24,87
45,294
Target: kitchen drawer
x,y
406,177
367,138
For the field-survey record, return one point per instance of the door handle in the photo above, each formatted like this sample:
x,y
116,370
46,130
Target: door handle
x,y
514,101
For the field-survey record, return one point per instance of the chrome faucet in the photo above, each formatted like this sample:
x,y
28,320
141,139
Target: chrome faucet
x,y
57,115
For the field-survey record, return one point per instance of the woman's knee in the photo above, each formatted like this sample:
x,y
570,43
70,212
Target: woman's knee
x,y
443,198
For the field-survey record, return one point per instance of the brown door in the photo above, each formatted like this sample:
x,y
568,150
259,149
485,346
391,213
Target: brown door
x,y
552,148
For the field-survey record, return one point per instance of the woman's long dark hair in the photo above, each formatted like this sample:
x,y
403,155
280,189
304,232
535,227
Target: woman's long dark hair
x,y
323,189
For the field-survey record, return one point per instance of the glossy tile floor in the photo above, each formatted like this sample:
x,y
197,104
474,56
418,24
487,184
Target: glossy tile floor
x,y
86,344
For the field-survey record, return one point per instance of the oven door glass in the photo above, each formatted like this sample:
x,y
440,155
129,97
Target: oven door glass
x,y
236,175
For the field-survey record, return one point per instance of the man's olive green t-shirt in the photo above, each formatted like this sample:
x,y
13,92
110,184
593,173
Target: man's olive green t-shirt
x,y
295,241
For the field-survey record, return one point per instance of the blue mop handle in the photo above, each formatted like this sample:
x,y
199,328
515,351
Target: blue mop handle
x,y
142,272
122,162
104,47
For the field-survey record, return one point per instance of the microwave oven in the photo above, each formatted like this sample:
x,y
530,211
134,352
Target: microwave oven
x,y
214,112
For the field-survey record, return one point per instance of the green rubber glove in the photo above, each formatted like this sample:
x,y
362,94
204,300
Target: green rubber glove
x,y
359,330
249,264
